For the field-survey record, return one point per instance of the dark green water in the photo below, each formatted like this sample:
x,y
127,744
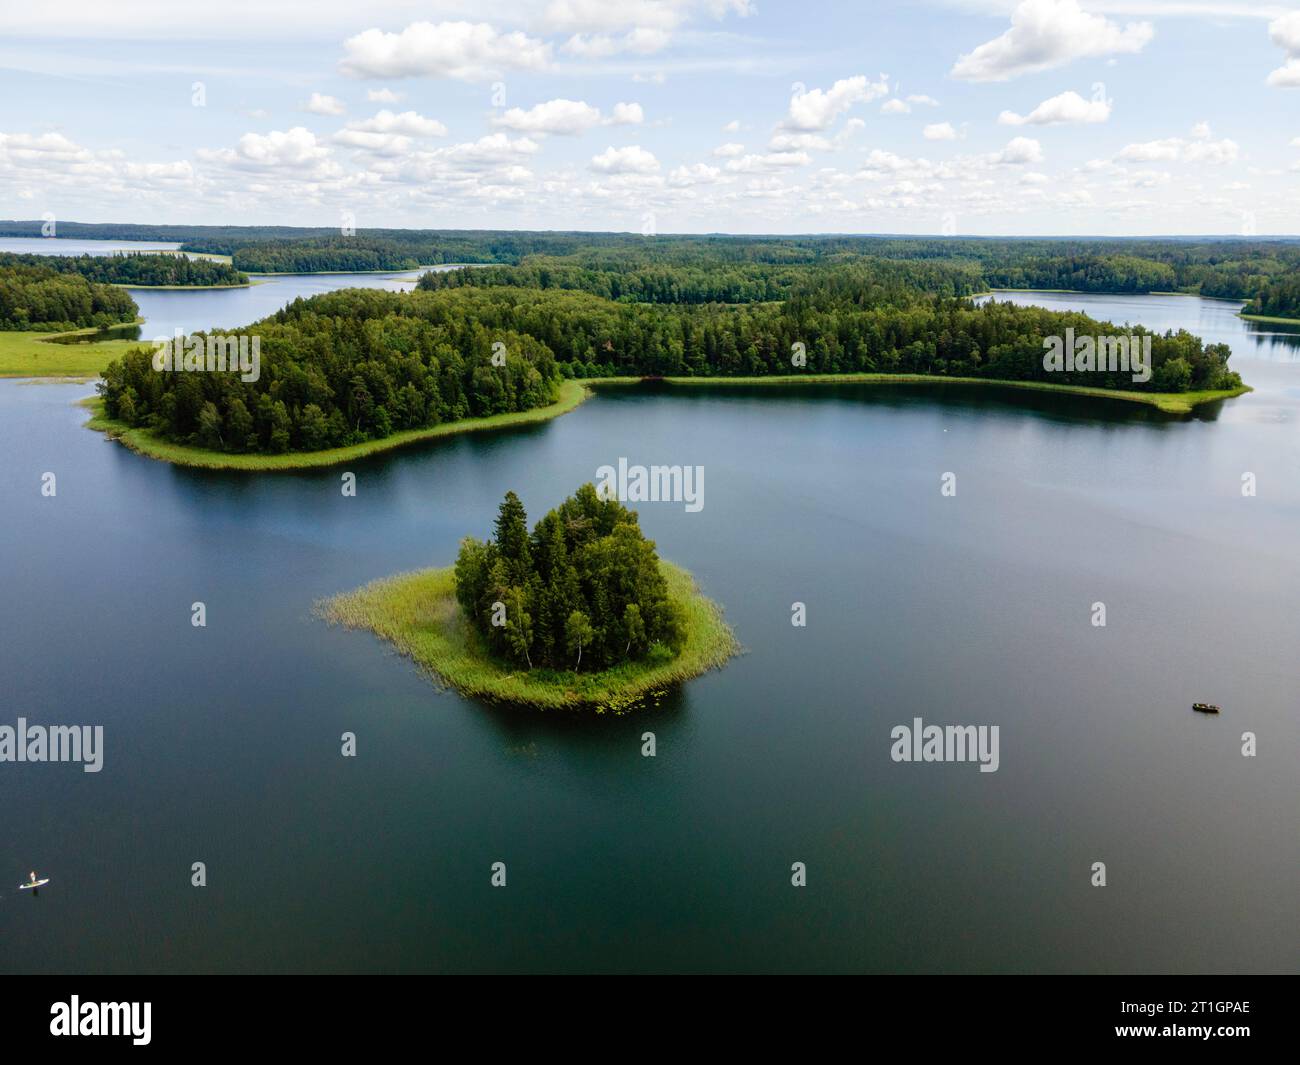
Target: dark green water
x,y
222,744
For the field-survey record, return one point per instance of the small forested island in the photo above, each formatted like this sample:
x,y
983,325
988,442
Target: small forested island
x,y
581,612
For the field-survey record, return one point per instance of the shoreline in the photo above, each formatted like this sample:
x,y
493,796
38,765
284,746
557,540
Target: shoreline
x,y
417,614
1177,403
184,288
1268,318
395,270
1093,292
143,442
69,362
573,393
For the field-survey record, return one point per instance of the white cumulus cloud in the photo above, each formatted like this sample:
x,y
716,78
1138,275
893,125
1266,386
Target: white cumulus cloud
x,y
1068,107
1020,150
469,51
1046,34
630,160
1285,33
565,117
320,104
817,109
1199,149
626,115
698,174
408,123
295,148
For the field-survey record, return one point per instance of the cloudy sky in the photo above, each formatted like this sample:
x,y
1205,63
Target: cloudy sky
x,y
745,116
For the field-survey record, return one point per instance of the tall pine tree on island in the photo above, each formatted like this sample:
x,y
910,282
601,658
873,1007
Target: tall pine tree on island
x,y
583,592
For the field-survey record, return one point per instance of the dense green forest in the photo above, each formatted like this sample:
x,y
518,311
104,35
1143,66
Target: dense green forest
x,y
1226,268
359,364
40,297
1281,299
584,590
873,281
331,377
336,253
1237,274
134,268
844,324
734,270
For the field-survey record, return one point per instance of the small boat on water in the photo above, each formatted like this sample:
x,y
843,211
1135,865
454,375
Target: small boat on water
x,y
1205,708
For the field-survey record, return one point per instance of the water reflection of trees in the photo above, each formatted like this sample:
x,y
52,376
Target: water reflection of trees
x,y
1273,339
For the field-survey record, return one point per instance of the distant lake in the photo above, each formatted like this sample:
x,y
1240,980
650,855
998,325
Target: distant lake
x,y
1217,321
222,743
65,246
166,310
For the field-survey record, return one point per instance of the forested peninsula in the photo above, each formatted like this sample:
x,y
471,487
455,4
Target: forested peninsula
x,y
357,365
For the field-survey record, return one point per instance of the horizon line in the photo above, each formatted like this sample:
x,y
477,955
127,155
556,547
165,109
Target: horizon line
x,y
684,233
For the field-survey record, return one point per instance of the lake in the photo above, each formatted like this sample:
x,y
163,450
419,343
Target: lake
x,y
166,310
222,744
69,246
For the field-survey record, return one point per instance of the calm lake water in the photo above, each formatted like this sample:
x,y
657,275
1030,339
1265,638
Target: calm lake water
x,y
222,743
66,246
166,310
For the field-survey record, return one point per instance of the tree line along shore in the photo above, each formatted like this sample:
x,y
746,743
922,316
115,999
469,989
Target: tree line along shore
x,y
355,368
1245,268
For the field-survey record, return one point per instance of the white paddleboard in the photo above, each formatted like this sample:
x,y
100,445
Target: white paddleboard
x,y
39,883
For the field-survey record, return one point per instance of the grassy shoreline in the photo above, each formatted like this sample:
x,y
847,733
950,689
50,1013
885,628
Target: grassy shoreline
x,y
572,393
29,353
417,613
1167,402
1269,318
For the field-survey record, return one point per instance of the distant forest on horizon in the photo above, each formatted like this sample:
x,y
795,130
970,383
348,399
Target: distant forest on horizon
x,y
1260,269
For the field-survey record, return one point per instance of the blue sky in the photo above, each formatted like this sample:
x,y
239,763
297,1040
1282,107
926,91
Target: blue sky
x,y
946,116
